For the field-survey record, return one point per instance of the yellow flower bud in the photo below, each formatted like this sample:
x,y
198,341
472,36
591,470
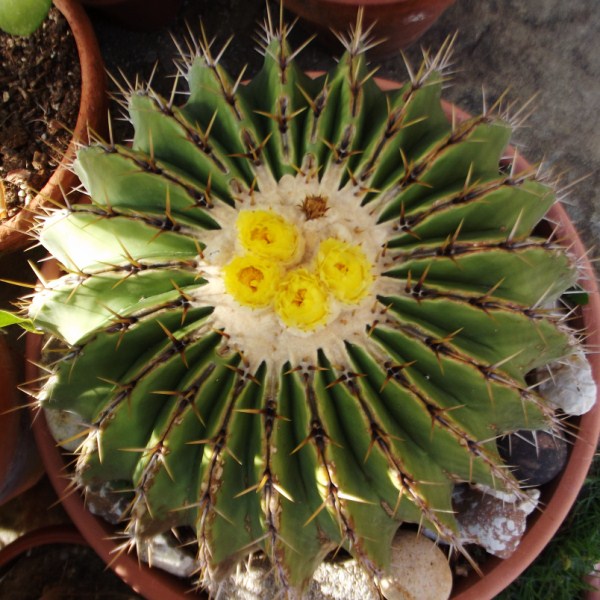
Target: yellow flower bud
x,y
301,300
251,280
344,269
267,234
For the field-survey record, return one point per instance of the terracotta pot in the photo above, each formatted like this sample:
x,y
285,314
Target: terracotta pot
x,y
139,15
557,496
20,464
65,568
92,115
397,23
52,534
593,579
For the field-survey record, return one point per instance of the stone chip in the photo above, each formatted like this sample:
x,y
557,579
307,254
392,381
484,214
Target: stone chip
x,y
419,570
496,522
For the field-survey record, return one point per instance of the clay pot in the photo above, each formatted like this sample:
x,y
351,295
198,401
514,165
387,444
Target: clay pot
x,y
593,579
557,497
139,15
20,465
51,534
57,572
92,115
397,23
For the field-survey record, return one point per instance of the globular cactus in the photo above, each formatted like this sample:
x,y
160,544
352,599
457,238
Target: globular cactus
x,y
299,311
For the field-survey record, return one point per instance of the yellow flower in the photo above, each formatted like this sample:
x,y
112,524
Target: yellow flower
x,y
344,269
251,280
267,234
301,300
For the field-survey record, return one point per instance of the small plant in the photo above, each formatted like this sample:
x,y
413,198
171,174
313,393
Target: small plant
x,y
298,312
23,17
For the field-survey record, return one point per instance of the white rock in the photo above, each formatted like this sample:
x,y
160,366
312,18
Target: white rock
x,y
505,496
419,570
343,580
570,385
162,553
492,522
66,428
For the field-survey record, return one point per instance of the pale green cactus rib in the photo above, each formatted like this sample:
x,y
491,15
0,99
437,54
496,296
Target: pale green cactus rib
x,y
218,105
255,433
488,388
276,96
160,367
414,476
352,106
485,209
159,478
479,269
185,420
73,308
113,241
473,149
442,447
450,409
136,184
109,355
357,499
534,339
236,526
415,123
305,523
154,123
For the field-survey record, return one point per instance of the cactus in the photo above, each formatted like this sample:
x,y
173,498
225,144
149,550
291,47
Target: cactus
x,y
298,311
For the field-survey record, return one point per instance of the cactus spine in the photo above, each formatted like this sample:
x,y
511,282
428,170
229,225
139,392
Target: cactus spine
x,y
298,312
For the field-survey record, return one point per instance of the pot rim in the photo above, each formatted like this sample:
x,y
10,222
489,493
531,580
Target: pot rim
x,y
8,401
20,464
14,232
560,494
403,4
50,534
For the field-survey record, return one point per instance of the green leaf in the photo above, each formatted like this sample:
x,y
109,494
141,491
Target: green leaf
x,y
7,318
23,17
